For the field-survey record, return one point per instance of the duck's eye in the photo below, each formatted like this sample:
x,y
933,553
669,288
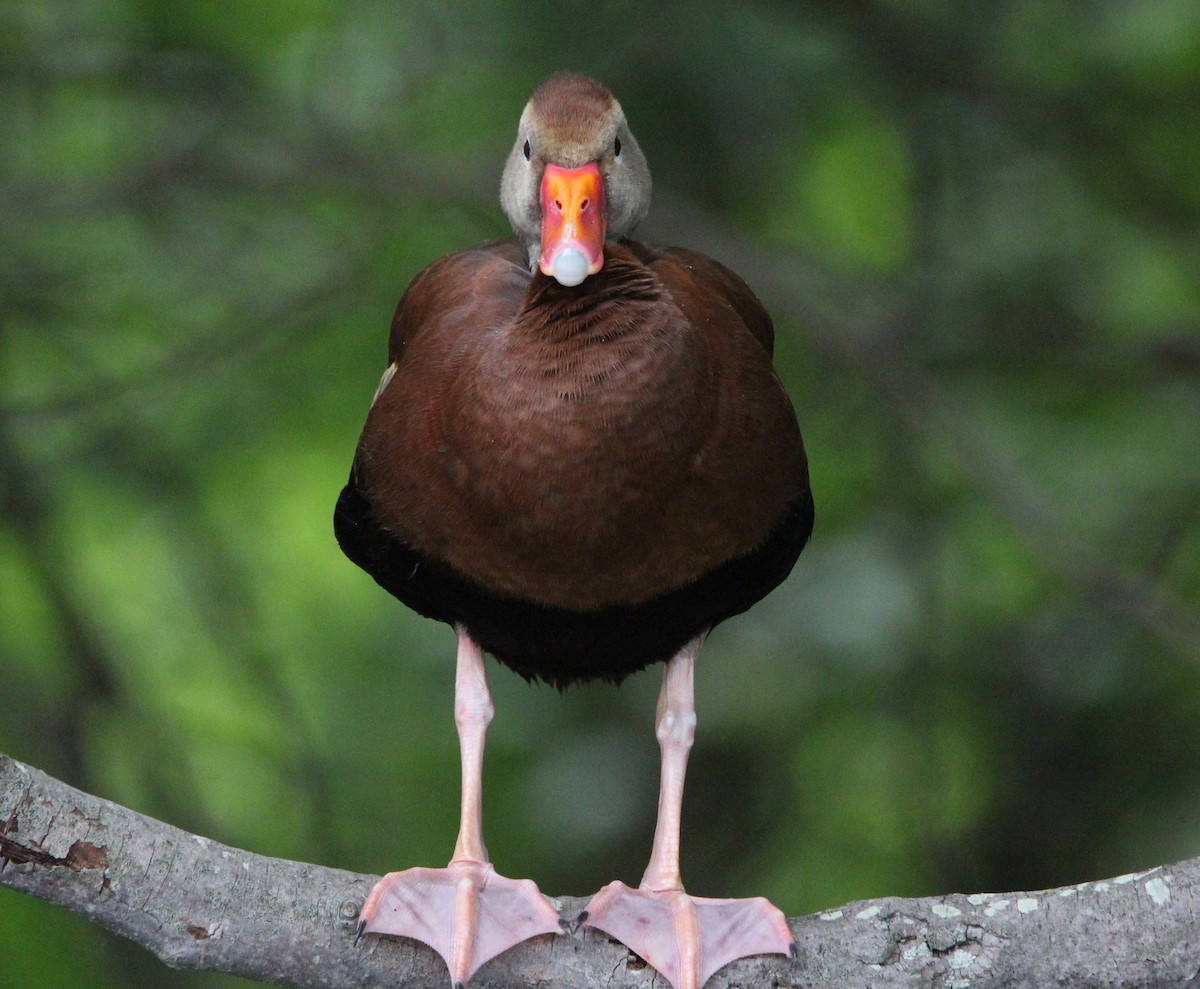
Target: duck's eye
x,y
528,150
616,147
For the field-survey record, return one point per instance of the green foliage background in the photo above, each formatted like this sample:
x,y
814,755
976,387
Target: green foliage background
x,y
977,227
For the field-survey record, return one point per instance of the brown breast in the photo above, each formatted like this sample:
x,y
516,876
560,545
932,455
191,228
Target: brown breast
x,y
581,447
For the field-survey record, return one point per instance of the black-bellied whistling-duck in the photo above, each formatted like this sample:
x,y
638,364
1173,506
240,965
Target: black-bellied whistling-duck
x,y
580,458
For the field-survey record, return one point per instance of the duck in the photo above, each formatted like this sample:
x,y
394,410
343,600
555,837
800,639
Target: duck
x,y
581,458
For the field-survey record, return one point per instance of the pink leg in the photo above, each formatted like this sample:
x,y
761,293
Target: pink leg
x,y
675,727
473,712
465,912
687,938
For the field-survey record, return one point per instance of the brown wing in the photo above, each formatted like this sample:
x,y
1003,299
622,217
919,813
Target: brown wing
x,y
712,278
458,292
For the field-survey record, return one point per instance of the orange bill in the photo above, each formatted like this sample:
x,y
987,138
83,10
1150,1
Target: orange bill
x,y
572,222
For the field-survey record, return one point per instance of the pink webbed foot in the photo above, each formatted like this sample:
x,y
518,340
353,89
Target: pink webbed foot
x,y
466,912
687,938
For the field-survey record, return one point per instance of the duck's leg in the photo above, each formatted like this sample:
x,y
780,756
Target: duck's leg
x,y
465,912
687,938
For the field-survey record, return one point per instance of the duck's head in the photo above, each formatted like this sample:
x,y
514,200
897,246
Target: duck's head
x,y
574,177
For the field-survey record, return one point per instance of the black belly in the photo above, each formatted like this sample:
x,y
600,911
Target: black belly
x,y
554,644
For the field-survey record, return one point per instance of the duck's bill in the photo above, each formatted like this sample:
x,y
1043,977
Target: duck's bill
x,y
572,223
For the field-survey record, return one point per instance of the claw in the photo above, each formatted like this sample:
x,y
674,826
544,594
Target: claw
x,y
572,926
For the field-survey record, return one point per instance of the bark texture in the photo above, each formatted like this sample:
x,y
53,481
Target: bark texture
x,y
198,904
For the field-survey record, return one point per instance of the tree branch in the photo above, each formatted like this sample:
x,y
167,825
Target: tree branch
x,y
198,904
